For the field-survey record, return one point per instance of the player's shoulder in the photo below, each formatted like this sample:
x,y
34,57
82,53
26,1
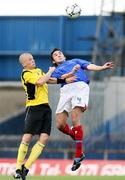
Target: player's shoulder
x,y
38,69
25,72
28,72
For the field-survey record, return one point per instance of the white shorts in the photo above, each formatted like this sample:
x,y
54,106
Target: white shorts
x,y
72,95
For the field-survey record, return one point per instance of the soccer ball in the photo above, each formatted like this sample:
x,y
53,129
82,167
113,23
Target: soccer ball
x,y
73,11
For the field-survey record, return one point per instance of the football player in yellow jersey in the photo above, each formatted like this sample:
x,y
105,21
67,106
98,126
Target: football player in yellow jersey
x,y
38,112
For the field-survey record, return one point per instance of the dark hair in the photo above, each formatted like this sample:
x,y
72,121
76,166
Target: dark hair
x,y
51,55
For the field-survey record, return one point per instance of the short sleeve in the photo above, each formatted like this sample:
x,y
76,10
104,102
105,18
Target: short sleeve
x,y
83,63
30,77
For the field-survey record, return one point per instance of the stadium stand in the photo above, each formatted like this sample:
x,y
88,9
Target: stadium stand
x,y
103,139
104,121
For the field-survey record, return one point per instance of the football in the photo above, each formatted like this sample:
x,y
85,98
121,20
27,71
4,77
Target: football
x,y
73,11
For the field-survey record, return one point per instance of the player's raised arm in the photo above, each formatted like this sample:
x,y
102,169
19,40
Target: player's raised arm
x,y
93,67
45,78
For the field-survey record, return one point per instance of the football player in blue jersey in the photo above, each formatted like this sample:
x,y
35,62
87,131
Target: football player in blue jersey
x,y
74,97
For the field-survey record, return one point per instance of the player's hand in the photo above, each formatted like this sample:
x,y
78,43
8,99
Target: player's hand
x,y
108,65
75,68
51,69
71,79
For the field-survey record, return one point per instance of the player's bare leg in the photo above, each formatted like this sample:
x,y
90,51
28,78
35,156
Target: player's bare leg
x,y
62,125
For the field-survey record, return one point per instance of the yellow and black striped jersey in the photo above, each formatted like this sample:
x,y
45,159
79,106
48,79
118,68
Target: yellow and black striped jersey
x,y
35,95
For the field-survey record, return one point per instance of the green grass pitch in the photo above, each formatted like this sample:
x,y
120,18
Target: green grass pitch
x,y
67,178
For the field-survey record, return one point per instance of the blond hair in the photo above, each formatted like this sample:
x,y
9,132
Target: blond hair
x,y
22,56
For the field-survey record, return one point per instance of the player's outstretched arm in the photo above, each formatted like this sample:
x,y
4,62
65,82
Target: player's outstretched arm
x,y
93,67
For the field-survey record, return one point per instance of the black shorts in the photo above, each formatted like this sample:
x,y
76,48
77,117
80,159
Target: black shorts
x,y
38,119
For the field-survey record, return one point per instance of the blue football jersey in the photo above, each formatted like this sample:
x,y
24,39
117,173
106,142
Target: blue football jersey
x,y
68,65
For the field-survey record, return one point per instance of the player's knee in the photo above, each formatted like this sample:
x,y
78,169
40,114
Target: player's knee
x,y
27,138
61,120
44,138
59,125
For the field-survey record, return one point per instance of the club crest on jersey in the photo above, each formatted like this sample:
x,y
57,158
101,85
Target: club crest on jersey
x,y
38,73
79,99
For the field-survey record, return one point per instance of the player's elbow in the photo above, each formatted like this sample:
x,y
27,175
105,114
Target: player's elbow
x,y
39,83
